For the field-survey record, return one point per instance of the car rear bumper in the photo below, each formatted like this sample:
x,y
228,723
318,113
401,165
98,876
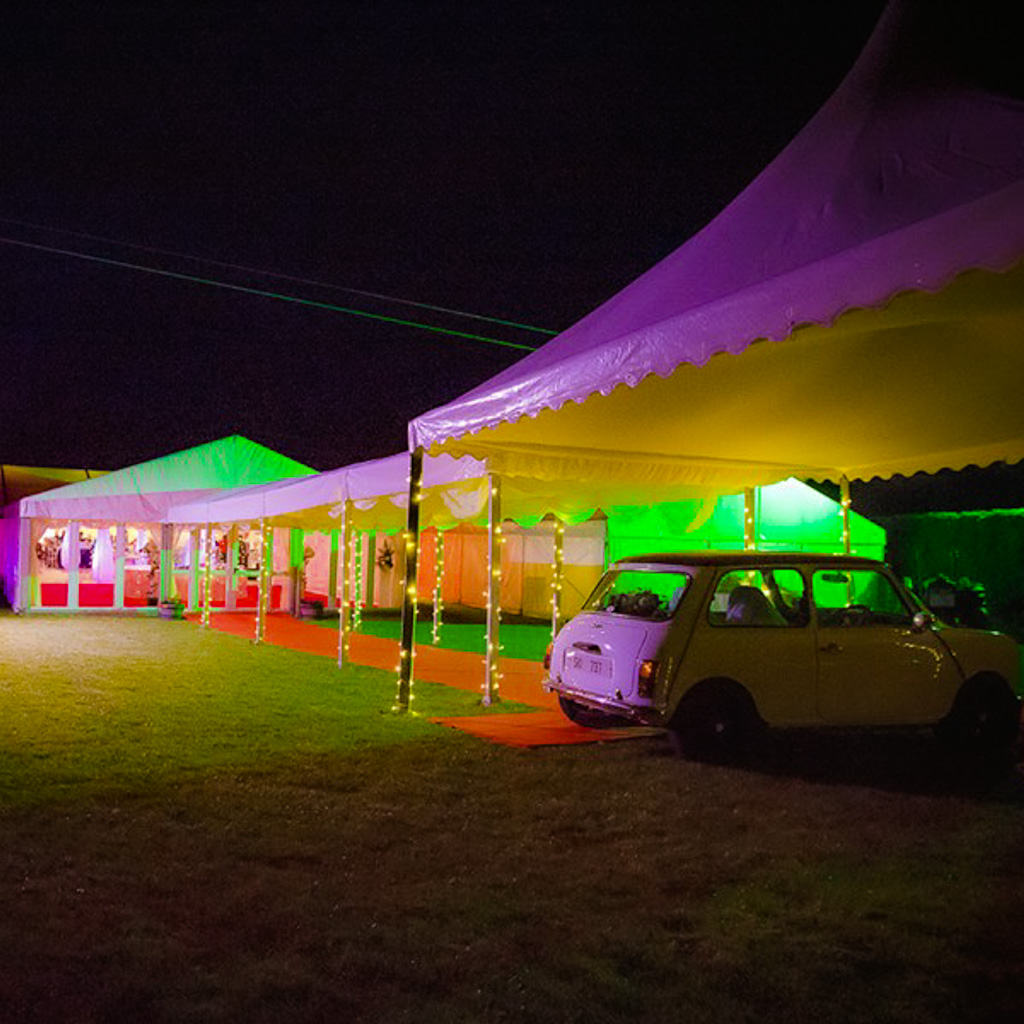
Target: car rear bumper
x,y
644,714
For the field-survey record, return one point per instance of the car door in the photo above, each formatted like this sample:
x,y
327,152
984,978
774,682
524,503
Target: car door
x,y
874,668
755,631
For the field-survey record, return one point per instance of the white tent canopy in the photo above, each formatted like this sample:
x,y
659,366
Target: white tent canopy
x,y
857,310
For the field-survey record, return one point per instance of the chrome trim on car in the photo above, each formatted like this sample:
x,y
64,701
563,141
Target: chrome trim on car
x,y
647,715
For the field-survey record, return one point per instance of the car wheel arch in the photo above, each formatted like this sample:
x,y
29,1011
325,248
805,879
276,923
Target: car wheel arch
x,y
711,687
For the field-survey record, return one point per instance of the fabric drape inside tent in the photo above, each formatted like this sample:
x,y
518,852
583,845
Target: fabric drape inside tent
x,y
103,557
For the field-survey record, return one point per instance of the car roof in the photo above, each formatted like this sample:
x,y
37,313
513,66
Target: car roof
x,y
744,559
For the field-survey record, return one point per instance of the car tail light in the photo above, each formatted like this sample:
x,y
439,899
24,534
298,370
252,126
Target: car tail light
x,y
645,677
547,657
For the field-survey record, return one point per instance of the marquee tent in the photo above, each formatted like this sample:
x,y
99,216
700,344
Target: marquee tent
x,y
856,311
131,502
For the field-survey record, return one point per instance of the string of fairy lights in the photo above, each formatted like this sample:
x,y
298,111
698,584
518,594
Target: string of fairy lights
x,y
358,594
435,631
557,574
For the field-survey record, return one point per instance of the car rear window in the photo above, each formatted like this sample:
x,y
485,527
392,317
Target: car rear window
x,y
640,593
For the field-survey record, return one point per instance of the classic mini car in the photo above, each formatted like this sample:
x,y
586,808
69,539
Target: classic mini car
x,y
714,646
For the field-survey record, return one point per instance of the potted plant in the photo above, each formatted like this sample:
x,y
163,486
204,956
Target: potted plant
x,y
172,608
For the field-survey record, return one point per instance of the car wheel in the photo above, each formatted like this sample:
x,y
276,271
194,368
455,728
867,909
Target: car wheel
x,y
716,724
984,722
590,718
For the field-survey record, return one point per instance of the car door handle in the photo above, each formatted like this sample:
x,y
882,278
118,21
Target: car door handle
x,y
831,648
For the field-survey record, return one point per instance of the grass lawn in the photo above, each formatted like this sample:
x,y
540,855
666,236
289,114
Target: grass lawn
x,y
194,829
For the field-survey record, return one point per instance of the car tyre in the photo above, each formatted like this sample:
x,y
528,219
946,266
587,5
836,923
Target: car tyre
x,y
984,724
717,723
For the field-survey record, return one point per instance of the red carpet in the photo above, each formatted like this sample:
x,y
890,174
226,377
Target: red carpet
x,y
537,729
520,682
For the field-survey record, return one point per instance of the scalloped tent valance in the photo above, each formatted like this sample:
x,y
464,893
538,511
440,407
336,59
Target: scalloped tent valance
x,y
453,491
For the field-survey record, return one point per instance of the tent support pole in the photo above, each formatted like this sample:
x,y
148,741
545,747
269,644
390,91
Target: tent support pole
x,y
28,567
412,530
342,586
166,588
844,505
230,569
193,569
207,575
119,539
369,582
262,597
557,576
74,562
749,519
332,573
358,580
297,572
494,541
435,634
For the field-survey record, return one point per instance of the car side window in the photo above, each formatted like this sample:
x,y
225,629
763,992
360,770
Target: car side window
x,y
858,597
759,597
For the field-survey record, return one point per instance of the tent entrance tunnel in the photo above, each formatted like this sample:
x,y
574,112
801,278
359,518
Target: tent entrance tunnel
x,y
342,539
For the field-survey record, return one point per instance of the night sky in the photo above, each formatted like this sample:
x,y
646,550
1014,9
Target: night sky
x,y
518,160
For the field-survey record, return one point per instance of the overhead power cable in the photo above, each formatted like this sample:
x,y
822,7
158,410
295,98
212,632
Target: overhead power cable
x,y
268,294
280,277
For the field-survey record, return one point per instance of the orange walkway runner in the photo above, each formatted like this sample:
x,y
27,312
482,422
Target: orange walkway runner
x,y
521,680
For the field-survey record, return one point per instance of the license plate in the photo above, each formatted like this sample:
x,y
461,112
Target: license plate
x,y
591,666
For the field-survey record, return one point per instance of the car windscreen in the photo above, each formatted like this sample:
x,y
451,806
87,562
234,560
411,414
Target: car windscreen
x,y
640,593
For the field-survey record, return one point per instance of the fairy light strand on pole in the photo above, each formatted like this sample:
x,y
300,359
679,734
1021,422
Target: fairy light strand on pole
x,y
408,643
262,578
435,633
557,576
358,596
492,673
342,585
208,575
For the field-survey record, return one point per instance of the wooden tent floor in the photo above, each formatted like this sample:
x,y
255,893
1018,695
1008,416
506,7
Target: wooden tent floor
x,y
521,680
